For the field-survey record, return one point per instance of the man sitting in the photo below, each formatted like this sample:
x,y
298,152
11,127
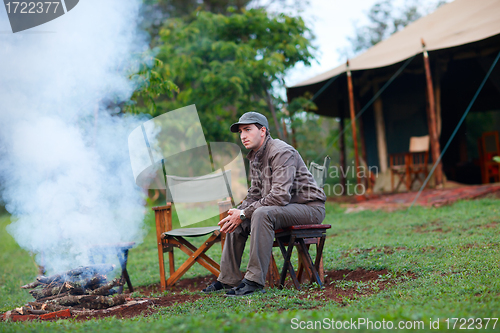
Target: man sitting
x,y
282,193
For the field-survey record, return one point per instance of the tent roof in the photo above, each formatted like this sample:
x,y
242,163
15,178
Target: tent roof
x,y
456,23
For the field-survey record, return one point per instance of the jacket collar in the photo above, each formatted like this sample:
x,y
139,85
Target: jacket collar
x,y
256,156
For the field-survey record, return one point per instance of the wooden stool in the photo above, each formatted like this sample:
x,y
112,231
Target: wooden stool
x,y
301,236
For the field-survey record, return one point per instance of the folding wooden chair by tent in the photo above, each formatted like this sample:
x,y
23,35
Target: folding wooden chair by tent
x,y
489,147
168,238
302,237
410,165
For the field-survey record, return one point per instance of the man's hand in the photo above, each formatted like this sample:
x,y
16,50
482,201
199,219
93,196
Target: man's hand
x,y
230,222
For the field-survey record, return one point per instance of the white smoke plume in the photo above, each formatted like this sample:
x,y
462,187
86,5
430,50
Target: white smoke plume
x,y
65,171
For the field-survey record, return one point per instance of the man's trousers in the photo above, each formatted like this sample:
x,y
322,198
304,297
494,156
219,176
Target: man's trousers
x,y
261,228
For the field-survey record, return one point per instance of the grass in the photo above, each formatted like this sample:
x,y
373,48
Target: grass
x,y
453,253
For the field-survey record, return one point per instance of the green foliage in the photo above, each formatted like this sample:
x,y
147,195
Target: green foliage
x,y
226,65
149,77
155,12
16,269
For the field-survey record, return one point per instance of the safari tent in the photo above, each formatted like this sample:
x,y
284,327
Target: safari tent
x,y
462,39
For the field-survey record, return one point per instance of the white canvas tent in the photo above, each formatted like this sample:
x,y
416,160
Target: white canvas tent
x,y
457,23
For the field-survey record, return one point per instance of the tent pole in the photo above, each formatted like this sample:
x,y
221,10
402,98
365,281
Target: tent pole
x,y
364,160
353,121
435,147
437,93
342,151
380,130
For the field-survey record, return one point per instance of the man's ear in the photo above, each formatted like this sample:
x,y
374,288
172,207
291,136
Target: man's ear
x,y
263,131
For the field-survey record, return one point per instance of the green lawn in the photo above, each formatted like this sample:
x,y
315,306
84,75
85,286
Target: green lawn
x,y
453,252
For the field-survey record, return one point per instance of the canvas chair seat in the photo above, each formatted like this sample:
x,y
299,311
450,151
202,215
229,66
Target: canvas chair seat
x,y
191,232
301,237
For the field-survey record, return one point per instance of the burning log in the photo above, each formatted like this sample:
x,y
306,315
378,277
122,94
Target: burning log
x,y
44,299
38,306
27,311
93,302
71,275
95,282
105,290
31,285
82,287
47,292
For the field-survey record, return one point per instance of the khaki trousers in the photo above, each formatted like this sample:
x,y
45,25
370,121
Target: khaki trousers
x,y
261,228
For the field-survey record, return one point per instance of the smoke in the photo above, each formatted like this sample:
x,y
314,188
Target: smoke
x,y
65,171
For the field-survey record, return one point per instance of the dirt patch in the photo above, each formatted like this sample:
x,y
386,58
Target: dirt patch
x,y
385,250
341,286
428,198
138,306
493,224
191,284
344,286
493,195
434,226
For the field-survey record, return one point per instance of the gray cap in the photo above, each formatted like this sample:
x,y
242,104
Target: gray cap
x,y
250,118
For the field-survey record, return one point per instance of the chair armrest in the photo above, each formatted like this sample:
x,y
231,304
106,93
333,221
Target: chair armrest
x,y
224,206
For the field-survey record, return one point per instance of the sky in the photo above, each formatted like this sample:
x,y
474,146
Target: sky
x,y
332,21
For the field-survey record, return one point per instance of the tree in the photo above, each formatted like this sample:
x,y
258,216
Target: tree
x,y
384,20
156,12
227,65
151,82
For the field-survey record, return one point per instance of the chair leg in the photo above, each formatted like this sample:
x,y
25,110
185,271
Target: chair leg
x,y
309,263
193,257
163,280
204,259
123,263
321,271
303,272
392,181
401,181
171,262
273,275
287,266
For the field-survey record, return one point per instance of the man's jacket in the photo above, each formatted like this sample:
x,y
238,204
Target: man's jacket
x,y
279,177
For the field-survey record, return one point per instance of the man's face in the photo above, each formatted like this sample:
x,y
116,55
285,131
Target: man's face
x,y
252,137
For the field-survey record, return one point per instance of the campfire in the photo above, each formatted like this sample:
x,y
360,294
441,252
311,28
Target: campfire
x,y
79,290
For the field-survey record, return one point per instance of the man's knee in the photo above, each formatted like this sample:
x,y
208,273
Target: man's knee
x,y
263,216
262,213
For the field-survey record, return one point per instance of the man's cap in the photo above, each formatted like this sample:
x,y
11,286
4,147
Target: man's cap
x,y
250,118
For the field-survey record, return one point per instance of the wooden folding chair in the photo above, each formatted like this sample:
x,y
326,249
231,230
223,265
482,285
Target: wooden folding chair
x,y
168,238
301,237
489,147
407,167
418,159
